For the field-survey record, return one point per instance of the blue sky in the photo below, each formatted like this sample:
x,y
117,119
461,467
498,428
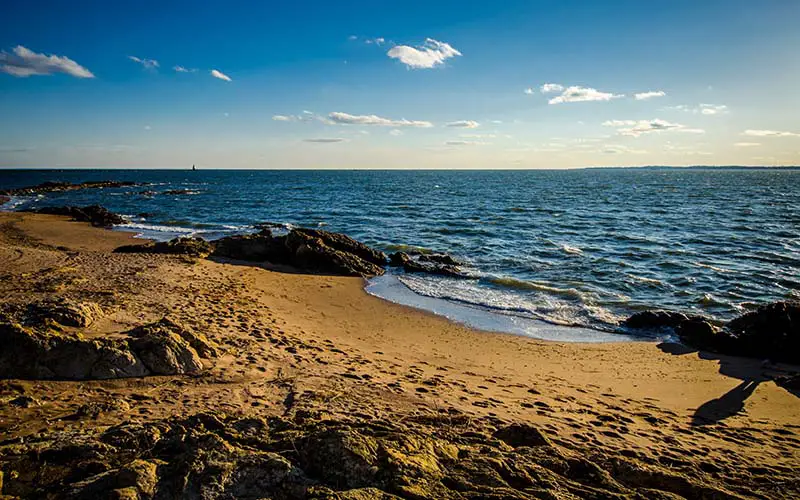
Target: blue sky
x,y
468,84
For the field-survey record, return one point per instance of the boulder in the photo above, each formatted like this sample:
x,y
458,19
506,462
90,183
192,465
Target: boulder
x,y
439,258
417,265
64,312
311,253
516,435
259,247
772,331
655,319
94,214
194,247
344,243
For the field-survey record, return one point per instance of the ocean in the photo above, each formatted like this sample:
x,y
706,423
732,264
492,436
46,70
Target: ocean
x,y
547,248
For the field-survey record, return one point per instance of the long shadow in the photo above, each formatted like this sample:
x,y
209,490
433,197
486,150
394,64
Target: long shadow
x,y
751,372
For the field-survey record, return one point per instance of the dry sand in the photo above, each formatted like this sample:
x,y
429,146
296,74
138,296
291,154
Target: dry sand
x,y
296,342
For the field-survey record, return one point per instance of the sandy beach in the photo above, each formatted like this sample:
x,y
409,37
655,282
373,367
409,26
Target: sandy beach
x,y
303,348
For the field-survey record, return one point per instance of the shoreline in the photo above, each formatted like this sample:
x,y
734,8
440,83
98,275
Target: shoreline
x,y
315,349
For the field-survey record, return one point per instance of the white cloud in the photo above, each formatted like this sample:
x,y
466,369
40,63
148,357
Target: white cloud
x,y
712,109
641,96
348,119
394,132
24,62
220,75
464,143
283,118
529,91
376,41
431,54
747,144
352,37
636,128
620,149
548,88
326,140
463,124
582,94
181,69
150,64
769,133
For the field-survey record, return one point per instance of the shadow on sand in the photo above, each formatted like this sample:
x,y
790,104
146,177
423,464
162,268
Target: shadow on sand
x,y
751,372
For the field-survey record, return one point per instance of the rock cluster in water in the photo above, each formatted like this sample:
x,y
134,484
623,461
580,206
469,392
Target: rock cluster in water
x,y
94,214
214,456
38,344
770,332
50,187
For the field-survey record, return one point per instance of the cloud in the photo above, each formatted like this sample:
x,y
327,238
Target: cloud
x,y
394,132
642,96
220,75
464,143
431,54
348,119
463,124
582,94
24,62
636,128
283,118
149,64
711,109
549,88
747,144
529,91
769,133
376,41
181,69
620,149
326,140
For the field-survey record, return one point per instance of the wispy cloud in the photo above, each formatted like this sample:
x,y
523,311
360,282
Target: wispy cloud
x,y
642,96
222,76
181,69
582,94
463,124
23,62
395,132
636,128
529,91
326,140
703,109
377,41
747,144
429,55
348,119
148,64
620,149
549,88
769,133
283,118
465,143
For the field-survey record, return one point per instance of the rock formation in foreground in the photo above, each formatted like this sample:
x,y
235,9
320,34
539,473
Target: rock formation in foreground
x,y
447,456
36,344
770,332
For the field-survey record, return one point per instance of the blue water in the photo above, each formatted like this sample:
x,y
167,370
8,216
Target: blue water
x,y
581,247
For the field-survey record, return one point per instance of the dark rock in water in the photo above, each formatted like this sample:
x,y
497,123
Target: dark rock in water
x,y
94,214
439,258
145,215
516,435
162,348
64,312
344,243
148,192
179,191
789,382
306,249
4,199
772,331
50,187
195,247
656,319
411,265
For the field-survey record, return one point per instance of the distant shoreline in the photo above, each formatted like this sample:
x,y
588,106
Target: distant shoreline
x,y
643,167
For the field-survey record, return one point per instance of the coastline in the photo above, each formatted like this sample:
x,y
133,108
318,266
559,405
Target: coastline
x,y
300,342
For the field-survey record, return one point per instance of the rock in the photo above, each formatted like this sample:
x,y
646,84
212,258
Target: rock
x,y
311,253
426,265
162,348
346,244
439,258
398,259
789,382
24,402
771,332
655,319
49,187
64,312
259,247
179,191
97,408
194,247
94,214
4,199
516,435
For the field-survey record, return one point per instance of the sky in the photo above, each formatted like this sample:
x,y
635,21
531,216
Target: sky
x,y
445,84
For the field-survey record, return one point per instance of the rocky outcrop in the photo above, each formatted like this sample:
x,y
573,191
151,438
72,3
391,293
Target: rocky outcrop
x,y
64,312
4,199
194,247
94,214
770,332
439,264
213,456
305,249
50,187
47,352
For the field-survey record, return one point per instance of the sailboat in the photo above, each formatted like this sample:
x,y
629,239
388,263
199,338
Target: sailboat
x,y
194,168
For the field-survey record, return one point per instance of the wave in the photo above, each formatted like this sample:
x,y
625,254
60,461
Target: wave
x,y
572,250
713,268
532,285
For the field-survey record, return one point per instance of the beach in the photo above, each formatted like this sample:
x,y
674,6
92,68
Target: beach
x,y
309,348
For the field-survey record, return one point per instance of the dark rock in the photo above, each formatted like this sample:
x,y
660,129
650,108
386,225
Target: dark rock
x,y
163,348
179,191
94,214
195,247
259,247
4,199
398,259
145,215
516,435
655,319
772,331
789,382
428,266
346,244
49,187
439,258
24,402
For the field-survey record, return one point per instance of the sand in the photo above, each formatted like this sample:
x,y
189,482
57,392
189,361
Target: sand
x,y
296,342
